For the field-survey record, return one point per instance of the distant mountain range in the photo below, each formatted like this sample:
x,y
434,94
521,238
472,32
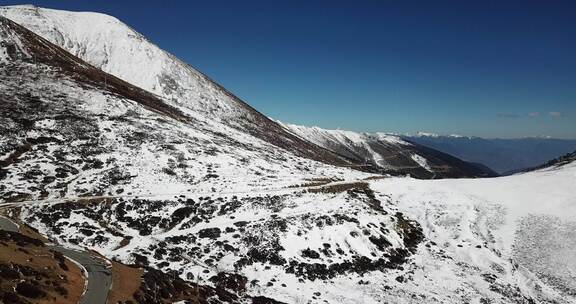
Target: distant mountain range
x,y
501,155
386,153
555,163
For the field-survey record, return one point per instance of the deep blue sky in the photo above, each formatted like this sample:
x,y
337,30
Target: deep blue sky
x,y
485,68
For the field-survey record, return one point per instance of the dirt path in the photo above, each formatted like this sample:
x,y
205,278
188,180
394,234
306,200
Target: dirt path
x,y
285,190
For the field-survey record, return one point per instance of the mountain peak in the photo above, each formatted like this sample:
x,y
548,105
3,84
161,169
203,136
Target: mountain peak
x,y
110,45
122,52
23,6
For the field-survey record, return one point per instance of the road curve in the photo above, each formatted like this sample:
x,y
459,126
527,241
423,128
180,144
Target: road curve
x,y
99,277
7,224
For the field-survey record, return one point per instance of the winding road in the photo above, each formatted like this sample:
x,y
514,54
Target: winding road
x,y
99,276
6,224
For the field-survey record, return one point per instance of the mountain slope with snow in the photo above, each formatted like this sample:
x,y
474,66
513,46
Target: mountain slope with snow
x,y
509,239
94,162
389,153
67,133
110,45
110,167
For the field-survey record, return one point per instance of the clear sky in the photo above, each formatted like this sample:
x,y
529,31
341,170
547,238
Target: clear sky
x,y
483,68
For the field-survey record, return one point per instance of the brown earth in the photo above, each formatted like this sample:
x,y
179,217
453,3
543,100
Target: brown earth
x,y
30,272
126,281
338,188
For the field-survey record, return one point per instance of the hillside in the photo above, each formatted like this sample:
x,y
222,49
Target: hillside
x,y
126,174
207,207
385,153
115,48
511,238
68,133
554,163
111,46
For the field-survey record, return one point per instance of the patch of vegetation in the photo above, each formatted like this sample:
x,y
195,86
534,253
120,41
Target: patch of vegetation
x,y
339,188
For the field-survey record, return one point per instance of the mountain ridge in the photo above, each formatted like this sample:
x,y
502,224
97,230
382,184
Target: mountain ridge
x,y
563,160
193,93
33,115
177,196
391,154
226,108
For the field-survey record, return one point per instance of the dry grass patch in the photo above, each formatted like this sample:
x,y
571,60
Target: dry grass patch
x,y
126,281
31,232
308,185
90,200
316,181
376,177
339,188
324,179
33,273
123,243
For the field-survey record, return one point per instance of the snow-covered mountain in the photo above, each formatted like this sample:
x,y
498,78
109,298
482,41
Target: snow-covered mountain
x,y
110,45
499,240
94,162
390,153
152,186
67,133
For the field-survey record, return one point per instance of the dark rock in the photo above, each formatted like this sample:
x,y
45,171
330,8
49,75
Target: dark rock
x,y
212,233
29,290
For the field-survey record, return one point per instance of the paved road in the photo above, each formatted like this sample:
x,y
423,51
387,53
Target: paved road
x,y
6,224
99,277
